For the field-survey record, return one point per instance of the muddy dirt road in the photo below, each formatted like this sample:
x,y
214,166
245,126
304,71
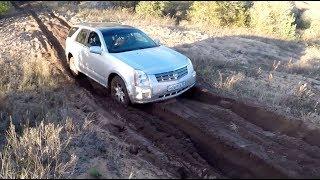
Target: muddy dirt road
x,y
205,134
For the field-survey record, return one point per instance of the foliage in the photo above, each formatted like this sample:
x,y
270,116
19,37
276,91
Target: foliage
x,y
4,7
219,13
152,8
273,18
124,4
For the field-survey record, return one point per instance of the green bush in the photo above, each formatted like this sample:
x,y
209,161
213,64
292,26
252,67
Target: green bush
x,y
4,7
273,18
177,8
219,13
174,9
299,19
152,8
124,4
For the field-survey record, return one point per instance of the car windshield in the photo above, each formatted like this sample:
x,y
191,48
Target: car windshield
x,y
121,40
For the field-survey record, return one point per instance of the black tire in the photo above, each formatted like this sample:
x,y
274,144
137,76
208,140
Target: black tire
x,y
117,83
74,74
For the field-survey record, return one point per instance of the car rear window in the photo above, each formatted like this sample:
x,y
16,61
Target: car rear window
x,y
72,31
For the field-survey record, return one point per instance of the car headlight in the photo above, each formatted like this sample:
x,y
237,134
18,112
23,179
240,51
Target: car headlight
x,y
141,78
142,85
190,68
190,65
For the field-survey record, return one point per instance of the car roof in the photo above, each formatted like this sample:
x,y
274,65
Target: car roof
x,y
103,25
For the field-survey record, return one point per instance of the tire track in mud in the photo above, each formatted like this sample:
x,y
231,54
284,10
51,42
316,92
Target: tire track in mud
x,y
240,155
53,41
255,114
57,50
168,138
237,148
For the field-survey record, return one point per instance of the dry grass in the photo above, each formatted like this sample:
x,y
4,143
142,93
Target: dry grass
x,y
30,92
37,153
308,64
229,81
38,73
121,16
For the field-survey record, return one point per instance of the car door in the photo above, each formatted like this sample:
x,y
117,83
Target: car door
x,y
80,47
97,63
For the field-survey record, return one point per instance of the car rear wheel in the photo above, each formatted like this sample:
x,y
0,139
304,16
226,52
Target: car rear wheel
x,y
72,67
119,91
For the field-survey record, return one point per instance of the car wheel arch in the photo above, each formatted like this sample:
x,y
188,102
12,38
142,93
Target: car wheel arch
x,y
110,77
114,74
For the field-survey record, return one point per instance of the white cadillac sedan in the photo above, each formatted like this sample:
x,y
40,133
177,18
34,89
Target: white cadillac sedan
x,y
135,68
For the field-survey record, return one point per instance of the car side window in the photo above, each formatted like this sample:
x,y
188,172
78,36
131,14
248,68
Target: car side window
x,y
81,38
93,40
72,31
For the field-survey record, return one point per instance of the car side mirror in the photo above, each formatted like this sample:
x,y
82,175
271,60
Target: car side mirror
x,y
95,49
157,41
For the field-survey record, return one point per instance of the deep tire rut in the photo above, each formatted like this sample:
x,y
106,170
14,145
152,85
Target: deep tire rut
x,y
267,120
237,148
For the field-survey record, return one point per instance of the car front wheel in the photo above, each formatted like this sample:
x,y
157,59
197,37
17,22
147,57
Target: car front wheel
x,y
119,91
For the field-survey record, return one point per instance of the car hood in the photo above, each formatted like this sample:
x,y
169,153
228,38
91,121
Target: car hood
x,y
153,60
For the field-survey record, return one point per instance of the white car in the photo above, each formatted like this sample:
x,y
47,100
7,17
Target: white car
x,y
136,68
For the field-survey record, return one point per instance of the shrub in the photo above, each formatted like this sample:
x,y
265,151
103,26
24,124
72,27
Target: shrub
x,y
299,19
219,13
175,8
124,4
151,8
312,19
273,18
4,7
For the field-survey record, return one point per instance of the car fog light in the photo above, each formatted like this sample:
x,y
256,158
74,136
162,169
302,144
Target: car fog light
x,y
143,92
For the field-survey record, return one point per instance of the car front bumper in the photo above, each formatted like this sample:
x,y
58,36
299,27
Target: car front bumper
x,y
161,90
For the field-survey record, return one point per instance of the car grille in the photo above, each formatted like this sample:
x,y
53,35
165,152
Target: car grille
x,y
172,75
